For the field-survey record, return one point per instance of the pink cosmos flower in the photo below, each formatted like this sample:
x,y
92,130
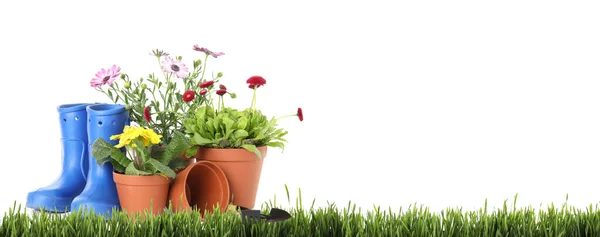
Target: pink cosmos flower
x,y
207,51
171,65
106,76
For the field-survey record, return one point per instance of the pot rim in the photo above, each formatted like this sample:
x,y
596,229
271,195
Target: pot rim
x,y
233,154
140,180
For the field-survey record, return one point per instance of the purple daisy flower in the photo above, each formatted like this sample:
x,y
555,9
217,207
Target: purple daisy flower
x,y
207,51
106,76
171,65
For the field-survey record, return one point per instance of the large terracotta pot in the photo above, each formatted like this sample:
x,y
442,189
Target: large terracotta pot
x,y
242,168
138,193
201,185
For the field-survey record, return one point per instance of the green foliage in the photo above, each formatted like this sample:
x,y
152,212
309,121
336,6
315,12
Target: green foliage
x,y
152,160
328,221
232,128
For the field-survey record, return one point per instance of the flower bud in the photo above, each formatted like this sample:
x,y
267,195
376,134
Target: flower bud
x,y
233,95
144,86
203,91
127,107
179,57
127,85
220,74
123,76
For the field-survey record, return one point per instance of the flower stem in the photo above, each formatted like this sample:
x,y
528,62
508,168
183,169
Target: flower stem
x,y
204,67
286,116
222,102
253,103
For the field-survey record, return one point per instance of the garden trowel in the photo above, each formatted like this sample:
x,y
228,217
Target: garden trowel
x,y
274,215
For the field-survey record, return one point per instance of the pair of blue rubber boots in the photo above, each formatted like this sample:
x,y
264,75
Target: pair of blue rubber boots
x,y
83,184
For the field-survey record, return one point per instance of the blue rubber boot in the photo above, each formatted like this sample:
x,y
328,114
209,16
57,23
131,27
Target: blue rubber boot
x,y
57,197
100,192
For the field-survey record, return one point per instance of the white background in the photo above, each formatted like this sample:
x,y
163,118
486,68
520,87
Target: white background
x,y
440,103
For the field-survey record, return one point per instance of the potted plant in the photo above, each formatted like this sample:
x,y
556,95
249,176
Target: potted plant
x,y
161,103
143,169
236,141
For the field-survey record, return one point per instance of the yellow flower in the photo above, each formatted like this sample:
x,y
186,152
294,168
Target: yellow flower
x,y
150,137
129,134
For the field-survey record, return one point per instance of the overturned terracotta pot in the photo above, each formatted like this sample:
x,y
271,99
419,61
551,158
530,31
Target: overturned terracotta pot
x,y
201,185
139,194
242,169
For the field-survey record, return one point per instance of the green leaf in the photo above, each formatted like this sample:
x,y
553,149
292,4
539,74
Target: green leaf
x,y
210,127
240,134
119,157
199,140
179,144
131,170
216,123
191,151
102,149
276,144
161,168
228,123
178,163
118,167
157,151
104,152
252,148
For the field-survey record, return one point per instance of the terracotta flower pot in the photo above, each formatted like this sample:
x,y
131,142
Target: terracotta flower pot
x,y
136,193
242,168
202,185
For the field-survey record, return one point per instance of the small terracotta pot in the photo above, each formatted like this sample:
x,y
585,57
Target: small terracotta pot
x,y
202,185
136,193
242,168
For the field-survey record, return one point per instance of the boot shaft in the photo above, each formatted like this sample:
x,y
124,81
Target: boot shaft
x,y
72,118
74,139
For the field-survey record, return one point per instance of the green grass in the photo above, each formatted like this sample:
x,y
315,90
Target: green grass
x,y
347,220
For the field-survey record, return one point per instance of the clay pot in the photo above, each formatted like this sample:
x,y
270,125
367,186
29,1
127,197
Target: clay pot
x,y
201,185
137,192
242,168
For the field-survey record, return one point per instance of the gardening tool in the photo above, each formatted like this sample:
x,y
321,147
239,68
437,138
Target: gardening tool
x,y
100,192
275,215
57,197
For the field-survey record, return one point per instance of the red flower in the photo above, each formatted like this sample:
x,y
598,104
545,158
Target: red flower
x,y
300,114
222,87
206,84
188,96
147,114
256,81
203,91
221,92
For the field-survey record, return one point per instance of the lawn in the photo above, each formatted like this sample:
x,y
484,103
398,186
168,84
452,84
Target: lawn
x,y
333,220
